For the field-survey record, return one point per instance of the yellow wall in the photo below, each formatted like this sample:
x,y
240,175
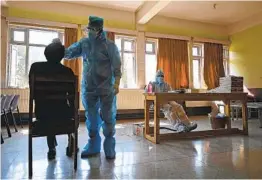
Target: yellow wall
x,y
65,18
166,25
78,14
246,56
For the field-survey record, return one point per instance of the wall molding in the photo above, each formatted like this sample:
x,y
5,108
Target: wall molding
x,y
203,40
169,36
40,22
125,114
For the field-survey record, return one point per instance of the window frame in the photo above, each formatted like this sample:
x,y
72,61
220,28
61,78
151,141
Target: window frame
x,y
154,43
201,64
122,51
226,60
199,74
26,29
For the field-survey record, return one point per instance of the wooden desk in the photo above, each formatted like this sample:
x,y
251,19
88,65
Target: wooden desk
x,y
162,98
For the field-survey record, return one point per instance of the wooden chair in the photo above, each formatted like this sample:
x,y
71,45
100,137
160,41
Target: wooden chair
x,y
7,109
4,115
15,109
50,88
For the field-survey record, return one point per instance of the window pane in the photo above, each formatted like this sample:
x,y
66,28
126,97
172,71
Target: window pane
x,y
36,54
196,51
128,79
17,75
19,36
196,73
226,53
118,43
149,47
151,62
225,63
42,37
128,46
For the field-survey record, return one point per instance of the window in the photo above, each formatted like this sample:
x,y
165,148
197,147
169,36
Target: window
x,y
27,46
197,65
127,48
226,59
151,59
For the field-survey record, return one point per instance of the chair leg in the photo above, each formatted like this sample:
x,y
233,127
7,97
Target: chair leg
x,y
19,117
30,156
2,139
249,113
70,147
14,121
75,149
7,125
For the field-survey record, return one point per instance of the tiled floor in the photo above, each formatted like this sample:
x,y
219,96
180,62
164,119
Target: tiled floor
x,y
224,157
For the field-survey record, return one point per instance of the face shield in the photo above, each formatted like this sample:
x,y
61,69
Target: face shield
x,y
160,77
92,33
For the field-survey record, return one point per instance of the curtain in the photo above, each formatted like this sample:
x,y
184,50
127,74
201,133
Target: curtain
x,y
71,36
110,35
173,61
213,64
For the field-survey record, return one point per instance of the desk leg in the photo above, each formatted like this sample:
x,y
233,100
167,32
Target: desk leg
x,y
227,111
249,113
232,113
237,113
147,117
244,117
156,123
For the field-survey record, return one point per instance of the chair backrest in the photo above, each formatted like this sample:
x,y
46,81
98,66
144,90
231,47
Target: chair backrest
x,y
8,101
3,97
49,89
14,103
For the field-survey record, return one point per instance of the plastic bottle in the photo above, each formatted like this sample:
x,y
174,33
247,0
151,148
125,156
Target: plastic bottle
x,y
150,88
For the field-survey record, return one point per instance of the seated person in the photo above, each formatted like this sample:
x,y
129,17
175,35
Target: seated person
x,y
173,111
54,53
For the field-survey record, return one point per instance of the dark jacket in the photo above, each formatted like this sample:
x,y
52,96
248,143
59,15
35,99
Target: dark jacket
x,y
51,109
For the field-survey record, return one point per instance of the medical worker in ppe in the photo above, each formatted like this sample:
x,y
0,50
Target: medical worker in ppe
x,y
100,84
173,111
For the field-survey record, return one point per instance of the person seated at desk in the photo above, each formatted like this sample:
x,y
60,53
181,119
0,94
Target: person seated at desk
x,y
173,111
46,111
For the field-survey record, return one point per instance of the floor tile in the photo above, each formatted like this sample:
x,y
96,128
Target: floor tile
x,y
234,157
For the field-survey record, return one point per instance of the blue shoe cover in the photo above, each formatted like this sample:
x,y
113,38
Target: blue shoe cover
x,y
92,148
109,147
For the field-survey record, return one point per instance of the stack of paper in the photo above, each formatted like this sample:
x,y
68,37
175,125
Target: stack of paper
x,y
229,84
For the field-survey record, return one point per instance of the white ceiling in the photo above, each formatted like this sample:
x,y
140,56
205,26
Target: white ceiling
x,y
119,5
225,13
